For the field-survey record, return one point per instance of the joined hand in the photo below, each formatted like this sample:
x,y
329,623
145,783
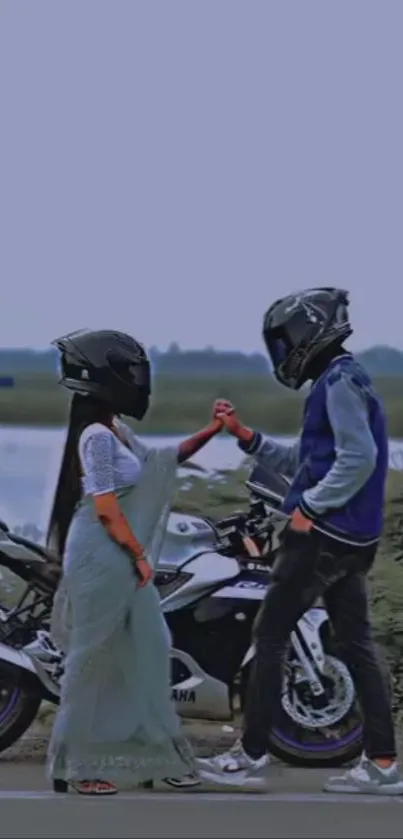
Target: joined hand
x,y
225,412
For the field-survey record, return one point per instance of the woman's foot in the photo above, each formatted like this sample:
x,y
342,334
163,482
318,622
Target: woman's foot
x,y
85,787
94,788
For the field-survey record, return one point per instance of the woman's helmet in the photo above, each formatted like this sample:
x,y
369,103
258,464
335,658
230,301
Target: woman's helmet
x,y
108,365
299,327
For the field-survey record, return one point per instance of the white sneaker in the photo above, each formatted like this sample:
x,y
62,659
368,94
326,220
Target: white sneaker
x,y
186,782
234,768
367,778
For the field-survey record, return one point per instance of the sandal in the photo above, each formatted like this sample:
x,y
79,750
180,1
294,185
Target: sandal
x,y
85,787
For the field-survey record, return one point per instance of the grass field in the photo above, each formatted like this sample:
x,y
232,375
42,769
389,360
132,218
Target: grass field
x,y
181,405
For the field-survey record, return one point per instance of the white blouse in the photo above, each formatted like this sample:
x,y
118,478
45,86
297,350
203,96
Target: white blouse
x,y
106,462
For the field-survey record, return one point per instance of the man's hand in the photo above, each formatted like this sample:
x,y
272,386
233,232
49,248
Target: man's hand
x,y
300,523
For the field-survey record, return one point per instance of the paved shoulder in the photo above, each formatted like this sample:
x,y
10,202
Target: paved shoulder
x,y
294,808
41,815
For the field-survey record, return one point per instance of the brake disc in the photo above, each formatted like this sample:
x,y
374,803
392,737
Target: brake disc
x,y
340,693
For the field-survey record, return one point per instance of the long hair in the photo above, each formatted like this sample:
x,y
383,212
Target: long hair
x,y
84,410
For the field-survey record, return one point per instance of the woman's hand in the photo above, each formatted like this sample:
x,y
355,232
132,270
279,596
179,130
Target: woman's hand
x,y
143,570
216,424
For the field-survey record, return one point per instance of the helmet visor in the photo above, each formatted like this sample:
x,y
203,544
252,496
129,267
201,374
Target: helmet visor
x,y
132,374
296,332
278,349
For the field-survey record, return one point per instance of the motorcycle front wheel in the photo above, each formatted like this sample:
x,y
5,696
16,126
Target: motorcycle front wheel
x,y
321,733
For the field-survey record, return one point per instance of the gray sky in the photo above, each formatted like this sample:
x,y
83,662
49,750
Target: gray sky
x,y
169,167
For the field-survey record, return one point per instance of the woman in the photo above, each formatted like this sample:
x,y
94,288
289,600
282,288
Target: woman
x,y
116,723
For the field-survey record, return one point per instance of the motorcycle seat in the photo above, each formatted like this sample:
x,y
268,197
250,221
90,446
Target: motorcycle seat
x,y
42,552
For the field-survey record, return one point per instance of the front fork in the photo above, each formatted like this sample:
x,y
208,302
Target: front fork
x,y
307,645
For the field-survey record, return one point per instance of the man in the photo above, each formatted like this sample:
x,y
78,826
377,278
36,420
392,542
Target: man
x,y
335,503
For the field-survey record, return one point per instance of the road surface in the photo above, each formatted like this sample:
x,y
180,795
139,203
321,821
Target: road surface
x,y
294,807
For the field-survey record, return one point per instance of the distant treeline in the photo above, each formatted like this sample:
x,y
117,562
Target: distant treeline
x,y
204,363
181,404
173,362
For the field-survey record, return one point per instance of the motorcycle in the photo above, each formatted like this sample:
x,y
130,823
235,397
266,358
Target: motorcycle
x,y
212,578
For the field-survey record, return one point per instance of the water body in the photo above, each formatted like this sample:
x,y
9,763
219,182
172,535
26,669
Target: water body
x,y
30,459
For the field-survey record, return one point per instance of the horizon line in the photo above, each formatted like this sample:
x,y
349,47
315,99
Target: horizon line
x,y
206,349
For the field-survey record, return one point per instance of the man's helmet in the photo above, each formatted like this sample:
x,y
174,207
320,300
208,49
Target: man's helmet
x,y
108,365
297,328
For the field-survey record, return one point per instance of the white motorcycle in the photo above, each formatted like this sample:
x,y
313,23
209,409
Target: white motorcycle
x,y
212,578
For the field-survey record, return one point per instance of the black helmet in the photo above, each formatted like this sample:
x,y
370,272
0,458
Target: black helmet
x,y
299,327
108,365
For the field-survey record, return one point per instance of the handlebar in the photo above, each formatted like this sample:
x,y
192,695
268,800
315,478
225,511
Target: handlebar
x,y
269,496
248,535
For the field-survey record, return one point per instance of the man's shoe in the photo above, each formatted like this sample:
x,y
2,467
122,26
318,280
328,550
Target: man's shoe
x,y
234,768
367,778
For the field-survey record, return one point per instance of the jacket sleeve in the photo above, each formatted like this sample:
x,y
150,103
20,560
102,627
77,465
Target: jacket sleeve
x,y
277,456
356,451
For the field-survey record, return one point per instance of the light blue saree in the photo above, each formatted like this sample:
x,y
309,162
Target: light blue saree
x,y
116,721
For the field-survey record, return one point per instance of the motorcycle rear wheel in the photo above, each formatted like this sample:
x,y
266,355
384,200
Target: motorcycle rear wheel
x,y
19,705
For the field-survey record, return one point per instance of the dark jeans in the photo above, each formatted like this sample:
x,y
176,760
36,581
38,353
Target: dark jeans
x,y
309,566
